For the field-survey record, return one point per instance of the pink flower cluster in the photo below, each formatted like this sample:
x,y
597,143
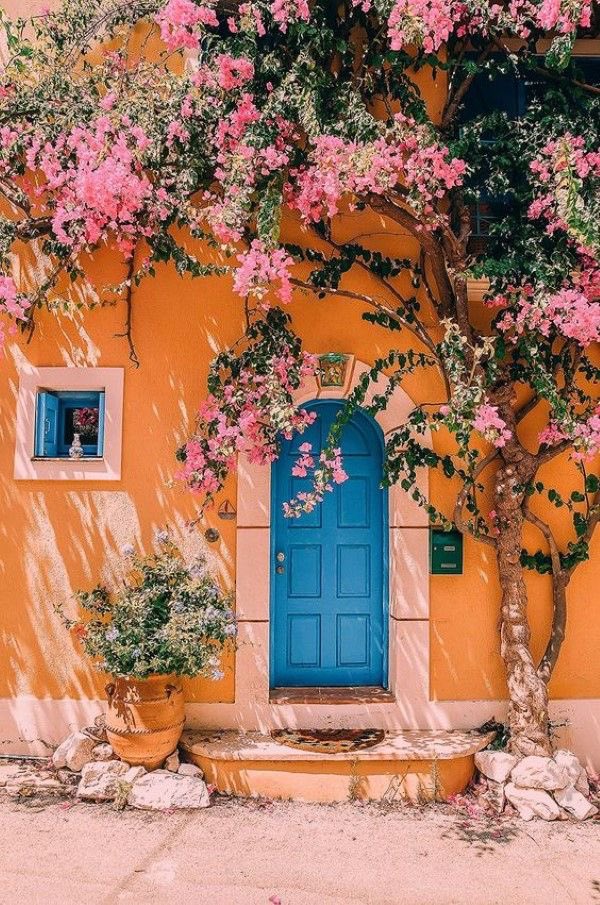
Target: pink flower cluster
x,y
569,312
430,23
248,415
11,304
490,425
427,23
561,167
330,471
564,16
181,22
233,72
585,435
250,20
97,184
243,159
407,155
286,12
261,269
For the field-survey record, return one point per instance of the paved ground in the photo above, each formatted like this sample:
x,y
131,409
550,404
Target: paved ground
x,y
239,853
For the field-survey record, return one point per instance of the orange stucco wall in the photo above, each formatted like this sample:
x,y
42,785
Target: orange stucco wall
x,y
58,536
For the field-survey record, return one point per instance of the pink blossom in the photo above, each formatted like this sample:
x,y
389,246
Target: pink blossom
x,y
569,311
406,156
489,423
249,414
97,184
259,269
551,435
179,22
286,12
233,72
11,304
329,471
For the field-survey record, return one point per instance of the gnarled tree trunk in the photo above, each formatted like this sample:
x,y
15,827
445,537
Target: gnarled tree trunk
x,y
528,693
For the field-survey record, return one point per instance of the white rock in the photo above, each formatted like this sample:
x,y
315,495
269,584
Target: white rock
x,y
172,762
74,752
100,779
494,796
133,774
33,782
532,803
7,771
190,770
103,751
574,769
495,765
539,773
162,790
575,803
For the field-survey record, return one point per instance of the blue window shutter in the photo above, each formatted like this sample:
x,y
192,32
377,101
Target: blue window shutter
x,y
101,417
46,430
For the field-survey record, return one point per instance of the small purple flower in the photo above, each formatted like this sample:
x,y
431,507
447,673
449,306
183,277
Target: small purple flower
x,y
162,536
112,633
231,629
127,550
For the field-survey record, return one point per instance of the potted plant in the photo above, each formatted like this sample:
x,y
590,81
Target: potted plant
x,y
168,619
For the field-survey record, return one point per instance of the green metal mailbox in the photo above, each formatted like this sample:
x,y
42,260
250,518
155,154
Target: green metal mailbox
x,y
446,552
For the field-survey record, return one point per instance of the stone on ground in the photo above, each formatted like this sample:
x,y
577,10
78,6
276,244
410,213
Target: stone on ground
x,y
30,781
494,796
530,803
574,769
162,790
100,779
7,771
133,774
103,751
575,803
539,773
172,762
74,752
495,765
190,770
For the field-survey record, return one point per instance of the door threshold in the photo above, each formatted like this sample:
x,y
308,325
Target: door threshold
x,y
355,694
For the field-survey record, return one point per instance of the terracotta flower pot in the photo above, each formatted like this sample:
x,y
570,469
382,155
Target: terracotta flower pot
x,y
145,718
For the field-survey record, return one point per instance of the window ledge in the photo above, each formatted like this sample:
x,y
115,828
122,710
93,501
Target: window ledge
x,y
81,461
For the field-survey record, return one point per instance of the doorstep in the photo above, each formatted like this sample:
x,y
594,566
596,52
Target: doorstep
x,y
415,765
359,694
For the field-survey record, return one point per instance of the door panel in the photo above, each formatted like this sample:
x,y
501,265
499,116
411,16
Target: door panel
x,y
327,600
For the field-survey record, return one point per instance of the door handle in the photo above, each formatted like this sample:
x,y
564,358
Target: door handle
x,y
280,557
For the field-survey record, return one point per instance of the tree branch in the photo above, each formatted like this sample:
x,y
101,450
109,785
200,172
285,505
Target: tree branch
x,y
454,100
560,580
128,332
462,497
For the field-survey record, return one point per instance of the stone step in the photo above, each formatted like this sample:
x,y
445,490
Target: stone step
x,y
415,766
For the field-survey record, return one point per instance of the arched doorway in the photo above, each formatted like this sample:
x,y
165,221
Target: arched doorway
x,y
329,567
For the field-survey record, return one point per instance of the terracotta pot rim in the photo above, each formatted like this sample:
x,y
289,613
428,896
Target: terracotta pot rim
x,y
151,678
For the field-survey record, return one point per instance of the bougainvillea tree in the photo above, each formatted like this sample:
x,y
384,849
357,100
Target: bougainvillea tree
x,y
130,125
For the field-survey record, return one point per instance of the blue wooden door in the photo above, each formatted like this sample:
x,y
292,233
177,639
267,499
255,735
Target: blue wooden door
x,y
327,576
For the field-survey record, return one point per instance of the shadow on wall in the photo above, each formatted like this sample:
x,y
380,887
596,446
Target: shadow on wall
x,y
57,536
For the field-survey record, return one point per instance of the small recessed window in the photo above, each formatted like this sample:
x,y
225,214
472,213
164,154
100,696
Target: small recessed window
x,y
69,424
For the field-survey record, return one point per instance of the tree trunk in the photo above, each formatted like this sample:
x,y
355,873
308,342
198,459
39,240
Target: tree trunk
x,y
528,693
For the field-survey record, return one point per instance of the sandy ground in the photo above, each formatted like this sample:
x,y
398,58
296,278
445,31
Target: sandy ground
x,y
248,853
